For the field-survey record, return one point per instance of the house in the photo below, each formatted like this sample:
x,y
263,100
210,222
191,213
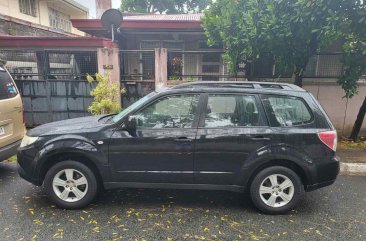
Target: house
x,y
181,34
189,57
40,18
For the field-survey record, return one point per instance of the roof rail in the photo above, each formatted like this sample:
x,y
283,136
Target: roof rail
x,y
238,84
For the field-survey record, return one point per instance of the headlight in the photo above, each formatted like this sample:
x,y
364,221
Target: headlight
x,y
28,140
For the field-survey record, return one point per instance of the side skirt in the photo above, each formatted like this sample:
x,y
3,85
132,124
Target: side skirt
x,y
232,188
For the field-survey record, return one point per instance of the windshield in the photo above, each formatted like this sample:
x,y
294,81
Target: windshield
x,y
133,106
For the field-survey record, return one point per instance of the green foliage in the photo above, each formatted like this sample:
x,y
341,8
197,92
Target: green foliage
x,y
12,159
292,31
105,94
164,6
173,77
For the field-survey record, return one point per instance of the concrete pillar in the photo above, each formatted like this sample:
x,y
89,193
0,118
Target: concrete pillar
x,y
102,6
161,68
108,63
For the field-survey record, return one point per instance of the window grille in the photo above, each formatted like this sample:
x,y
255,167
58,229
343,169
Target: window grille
x,y
59,20
28,7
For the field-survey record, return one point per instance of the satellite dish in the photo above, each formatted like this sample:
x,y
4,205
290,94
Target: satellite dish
x,y
111,20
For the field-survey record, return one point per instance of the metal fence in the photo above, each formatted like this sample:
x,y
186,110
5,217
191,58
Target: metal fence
x,y
137,69
54,87
200,65
52,83
322,65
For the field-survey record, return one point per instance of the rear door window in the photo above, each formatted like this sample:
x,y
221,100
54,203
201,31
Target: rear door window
x,y
227,110
286,111
7,87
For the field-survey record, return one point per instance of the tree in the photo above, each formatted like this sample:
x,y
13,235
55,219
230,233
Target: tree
x,y
291,31
164,6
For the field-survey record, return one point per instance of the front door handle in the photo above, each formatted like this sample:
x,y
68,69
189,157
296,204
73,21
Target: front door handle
x,y
260,138
183,139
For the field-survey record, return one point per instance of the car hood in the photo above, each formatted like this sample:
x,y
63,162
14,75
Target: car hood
x,y
71,126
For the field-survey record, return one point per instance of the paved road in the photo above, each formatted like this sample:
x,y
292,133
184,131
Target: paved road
x,y
334,213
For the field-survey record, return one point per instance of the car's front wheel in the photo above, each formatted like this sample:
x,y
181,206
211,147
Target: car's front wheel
x,y
276,190
70,184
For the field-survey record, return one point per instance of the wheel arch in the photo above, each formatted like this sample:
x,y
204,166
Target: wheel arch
x,y
283,163
69,156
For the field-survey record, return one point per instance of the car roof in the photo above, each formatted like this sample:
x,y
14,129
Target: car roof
x,y
238,87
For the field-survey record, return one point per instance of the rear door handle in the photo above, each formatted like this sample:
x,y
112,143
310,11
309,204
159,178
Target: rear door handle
x,y
260,138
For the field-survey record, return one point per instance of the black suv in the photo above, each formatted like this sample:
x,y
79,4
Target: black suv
x,y
271,139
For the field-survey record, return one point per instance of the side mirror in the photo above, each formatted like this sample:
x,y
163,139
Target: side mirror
x,y
131,124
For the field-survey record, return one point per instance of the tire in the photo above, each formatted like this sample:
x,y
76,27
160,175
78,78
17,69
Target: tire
x,y
279,198
70,185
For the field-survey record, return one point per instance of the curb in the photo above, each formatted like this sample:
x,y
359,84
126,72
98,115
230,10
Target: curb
x,y
353,169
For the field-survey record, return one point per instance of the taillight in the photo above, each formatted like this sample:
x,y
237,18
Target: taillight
x,y
329,138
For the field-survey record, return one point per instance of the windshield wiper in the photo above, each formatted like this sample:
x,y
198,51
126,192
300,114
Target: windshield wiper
x,y
107,118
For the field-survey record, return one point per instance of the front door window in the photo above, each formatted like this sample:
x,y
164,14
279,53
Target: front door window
x,y
169,112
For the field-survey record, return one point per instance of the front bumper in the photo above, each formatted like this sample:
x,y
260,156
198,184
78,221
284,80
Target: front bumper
x,y
27,165
9,150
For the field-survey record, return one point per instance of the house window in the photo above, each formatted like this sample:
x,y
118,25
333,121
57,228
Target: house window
x,y
59,20
28,7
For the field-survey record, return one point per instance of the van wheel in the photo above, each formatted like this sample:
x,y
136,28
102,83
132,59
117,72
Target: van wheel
x,y
70,185
276,190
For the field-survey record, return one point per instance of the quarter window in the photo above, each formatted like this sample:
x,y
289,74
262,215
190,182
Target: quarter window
x,y
170,112
231,111
286,111
28,7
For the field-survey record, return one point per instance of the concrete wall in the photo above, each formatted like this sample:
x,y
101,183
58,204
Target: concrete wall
x,y
11,8
10,27
341,111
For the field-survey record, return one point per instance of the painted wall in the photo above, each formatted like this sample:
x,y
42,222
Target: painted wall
x,y
11,8
341,111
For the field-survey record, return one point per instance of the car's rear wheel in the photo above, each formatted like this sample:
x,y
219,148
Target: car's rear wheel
x,y
276,190
70,185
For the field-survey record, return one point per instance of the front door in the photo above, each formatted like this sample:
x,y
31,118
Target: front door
x,y
161,150
230,130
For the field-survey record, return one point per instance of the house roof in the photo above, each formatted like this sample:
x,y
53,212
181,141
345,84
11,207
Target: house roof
x,y
77,5
167,17
180,22
8,41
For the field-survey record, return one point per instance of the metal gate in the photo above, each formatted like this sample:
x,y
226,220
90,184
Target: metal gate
x,y
52,83
137,68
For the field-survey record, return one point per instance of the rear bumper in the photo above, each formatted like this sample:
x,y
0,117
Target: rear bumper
x,y
324,174
9,150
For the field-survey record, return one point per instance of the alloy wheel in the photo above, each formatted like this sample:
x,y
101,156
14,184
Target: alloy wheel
x,y
70,185
276,190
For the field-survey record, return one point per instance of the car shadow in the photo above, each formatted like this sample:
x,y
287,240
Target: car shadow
x,y
187,198
7,171
141,199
